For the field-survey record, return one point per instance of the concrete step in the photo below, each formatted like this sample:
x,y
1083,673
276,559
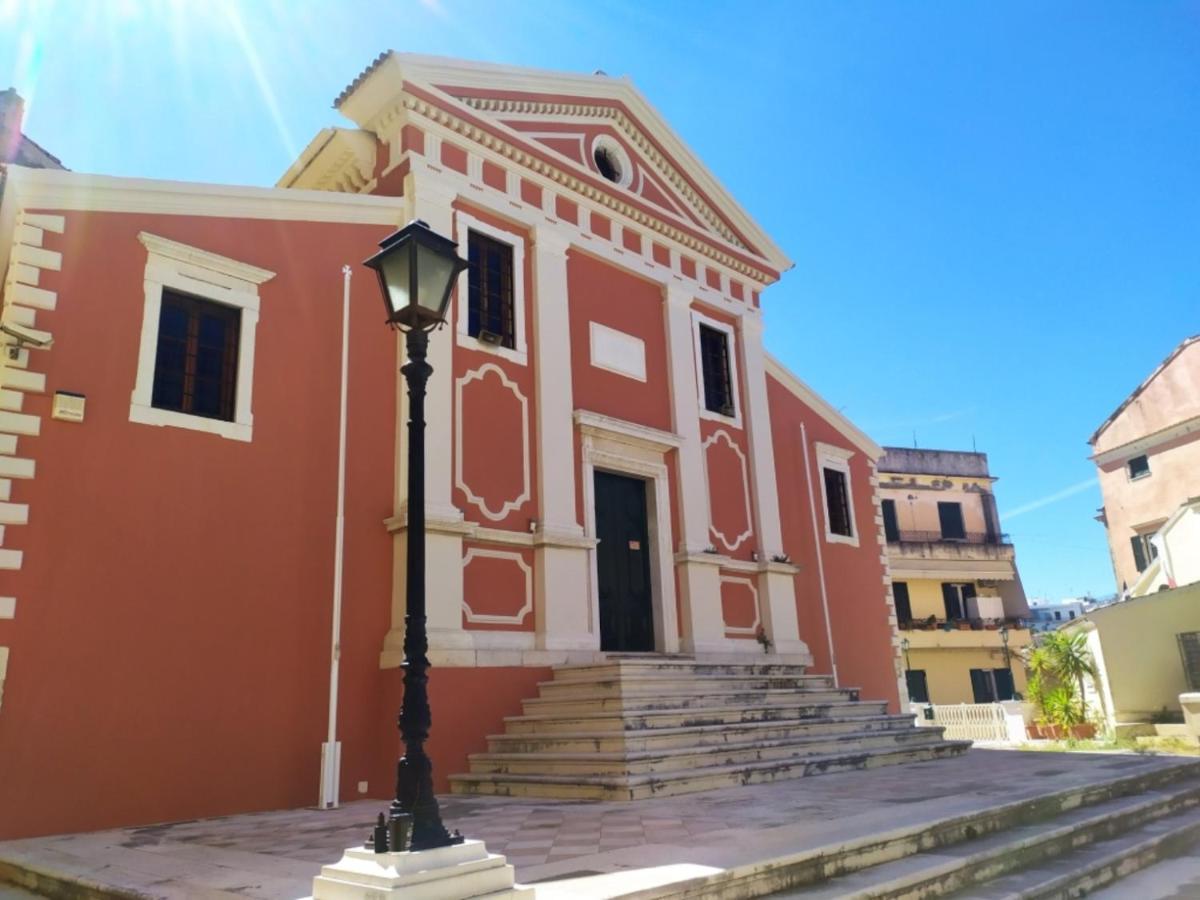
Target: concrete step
x,y
1101,863
605,764
968,868
636,787
645,668
693,736
680,685
591,703
965,857
676,718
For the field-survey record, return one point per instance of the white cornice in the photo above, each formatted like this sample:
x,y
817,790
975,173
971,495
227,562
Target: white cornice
x,y
813,400
630,432
161,246
337,159
1149,442
50,189
568,175
377,93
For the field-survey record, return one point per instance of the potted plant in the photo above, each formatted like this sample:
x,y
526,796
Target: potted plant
x,y
1056,668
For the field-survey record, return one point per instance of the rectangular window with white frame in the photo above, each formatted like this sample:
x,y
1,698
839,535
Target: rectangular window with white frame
x,y
716,369
196,354
837,493
490,314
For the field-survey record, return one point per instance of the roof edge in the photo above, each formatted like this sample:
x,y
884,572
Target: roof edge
x,y
1133,395
434,70
821,407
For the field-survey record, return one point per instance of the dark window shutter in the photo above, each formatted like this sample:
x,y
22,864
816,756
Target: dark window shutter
x,y
951,519
1189,649
891,526
952,601
1004,683
981,686
903,605
490,301
918,687
714,360
1139,552
837,503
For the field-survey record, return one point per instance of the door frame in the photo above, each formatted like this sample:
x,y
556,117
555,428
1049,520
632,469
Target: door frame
x,y
635,451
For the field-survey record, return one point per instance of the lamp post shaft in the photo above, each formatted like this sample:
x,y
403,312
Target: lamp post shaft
x,y
414,773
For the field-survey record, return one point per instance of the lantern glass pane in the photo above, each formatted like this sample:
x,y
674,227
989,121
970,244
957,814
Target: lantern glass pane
x,y
394,268
434,272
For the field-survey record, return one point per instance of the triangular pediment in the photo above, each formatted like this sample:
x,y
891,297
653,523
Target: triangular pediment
x,y
569,118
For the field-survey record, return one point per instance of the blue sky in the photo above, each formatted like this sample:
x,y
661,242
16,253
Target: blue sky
x,y
994,208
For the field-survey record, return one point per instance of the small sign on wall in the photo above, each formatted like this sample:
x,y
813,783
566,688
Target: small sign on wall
x,y
68,406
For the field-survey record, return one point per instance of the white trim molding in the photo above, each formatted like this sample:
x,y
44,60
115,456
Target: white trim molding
x,y
711,441
698,319
638,451
464,223
617,352
838,459
752,630
517,618
479,502
210,276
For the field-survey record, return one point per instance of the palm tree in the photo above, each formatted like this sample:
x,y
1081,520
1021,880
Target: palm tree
x,y
1071,660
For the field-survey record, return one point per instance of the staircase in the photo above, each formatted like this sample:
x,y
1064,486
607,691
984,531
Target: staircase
x,y
640,727
1063,845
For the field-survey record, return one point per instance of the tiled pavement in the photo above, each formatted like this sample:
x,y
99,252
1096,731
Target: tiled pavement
x,y
276,854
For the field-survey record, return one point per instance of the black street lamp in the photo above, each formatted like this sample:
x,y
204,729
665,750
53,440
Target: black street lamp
x,y
1004,642
904,645
416,269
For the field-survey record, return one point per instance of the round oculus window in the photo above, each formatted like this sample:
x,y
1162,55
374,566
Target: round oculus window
x,y
611,161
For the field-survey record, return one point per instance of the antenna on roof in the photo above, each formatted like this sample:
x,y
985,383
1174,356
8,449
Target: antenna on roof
x,y
914,439
600,72
974,449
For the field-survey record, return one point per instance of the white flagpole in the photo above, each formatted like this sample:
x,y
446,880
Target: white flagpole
x,y
331,750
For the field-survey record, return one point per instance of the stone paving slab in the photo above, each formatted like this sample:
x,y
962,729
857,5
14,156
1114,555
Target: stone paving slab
x,y
568,849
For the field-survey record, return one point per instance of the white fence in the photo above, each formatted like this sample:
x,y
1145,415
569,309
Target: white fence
x,y
977,721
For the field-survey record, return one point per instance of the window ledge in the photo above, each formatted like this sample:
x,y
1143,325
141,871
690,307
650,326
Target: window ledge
x,y
734,421
832,538
467,342
151,415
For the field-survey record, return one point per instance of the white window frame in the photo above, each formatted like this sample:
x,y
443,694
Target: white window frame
x,y
1129,476
838,459
698,319
209,276
519,353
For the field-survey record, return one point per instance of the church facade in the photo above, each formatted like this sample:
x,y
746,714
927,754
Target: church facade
x,y
615,464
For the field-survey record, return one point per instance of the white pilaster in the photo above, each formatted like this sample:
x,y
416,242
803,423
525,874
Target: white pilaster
x,y
692,489
776,586
703,623
561,555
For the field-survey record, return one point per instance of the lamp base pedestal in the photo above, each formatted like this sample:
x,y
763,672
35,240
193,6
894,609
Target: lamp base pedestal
x,y
447,873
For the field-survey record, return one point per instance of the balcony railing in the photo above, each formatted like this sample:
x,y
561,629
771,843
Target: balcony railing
x,y
933,623
936,537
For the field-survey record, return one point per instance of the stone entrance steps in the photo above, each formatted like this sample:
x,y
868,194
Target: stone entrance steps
x,y
1062,845
634,728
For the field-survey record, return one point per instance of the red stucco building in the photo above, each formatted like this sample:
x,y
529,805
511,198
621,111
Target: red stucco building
x,y
615,462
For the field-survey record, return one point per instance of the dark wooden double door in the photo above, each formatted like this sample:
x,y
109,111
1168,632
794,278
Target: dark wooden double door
x,y
623,564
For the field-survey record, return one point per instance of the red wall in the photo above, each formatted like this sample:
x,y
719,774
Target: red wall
x,y
602,293
858,608
170,653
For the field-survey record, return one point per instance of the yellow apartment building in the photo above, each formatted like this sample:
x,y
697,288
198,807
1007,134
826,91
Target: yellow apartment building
x,y
960,606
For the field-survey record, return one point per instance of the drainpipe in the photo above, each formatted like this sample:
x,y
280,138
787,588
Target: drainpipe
x,y
812,507
331,750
